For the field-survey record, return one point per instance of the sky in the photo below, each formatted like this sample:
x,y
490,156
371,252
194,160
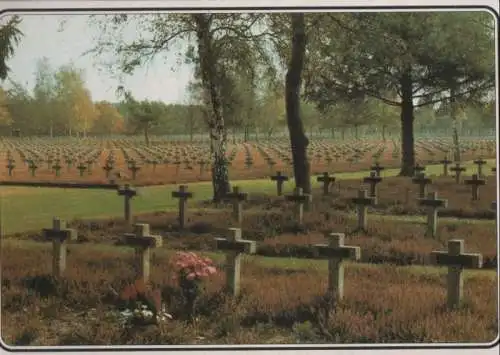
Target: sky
x,y
42,38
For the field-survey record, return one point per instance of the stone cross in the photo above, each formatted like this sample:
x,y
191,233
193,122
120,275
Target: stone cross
x,y
418,169
458,169
280,179
422,183
337,252
475,182
234,246
143,242
326,179
480,162
373,180
445,163
69,162
377,169
10,166
81,168
432,203
107,168
128,193
183,196
237,199
32,167
362,202
134,169
299,199
59,234
456,260
57,167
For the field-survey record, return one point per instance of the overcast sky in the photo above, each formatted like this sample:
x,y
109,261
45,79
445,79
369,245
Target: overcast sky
x,y
42,38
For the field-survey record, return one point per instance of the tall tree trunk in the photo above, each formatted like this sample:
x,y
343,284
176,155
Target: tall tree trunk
x,y
407,138
218,133
298,139
332,132
356,131
453,109
245,135
146,135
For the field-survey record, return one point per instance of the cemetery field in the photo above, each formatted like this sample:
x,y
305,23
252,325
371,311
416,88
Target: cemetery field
x,y
281,286
392,289
128,160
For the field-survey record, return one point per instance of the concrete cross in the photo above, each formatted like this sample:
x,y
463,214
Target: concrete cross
x,y
128,193
422,183
237,198
59,234
433,204
475,182
456,260
234,246
336,252
327,180
183,195
280,179
142,241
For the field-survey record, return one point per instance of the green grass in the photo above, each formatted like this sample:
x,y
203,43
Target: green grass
x,y
264,261
34,209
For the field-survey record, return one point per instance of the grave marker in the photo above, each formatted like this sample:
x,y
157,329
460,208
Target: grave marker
x,y
422,183
475,182
377,168
280,179
10,166
237,198
107,168
57,168
81,168
128,193
445,163
299,199
479,163
373,180
337,252
143,242
234,246
32,167
326,179
183,196
418,169
432,203
458,169
456,260
59,235
362,202
134,169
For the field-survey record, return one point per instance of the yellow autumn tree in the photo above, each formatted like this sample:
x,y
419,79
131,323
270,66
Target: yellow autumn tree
x,y
74,101
108,120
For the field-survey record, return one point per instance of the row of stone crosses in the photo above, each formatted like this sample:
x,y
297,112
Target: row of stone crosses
x,y
234,246
302,201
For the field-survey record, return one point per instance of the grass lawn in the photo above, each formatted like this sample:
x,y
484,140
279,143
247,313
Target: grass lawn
x,y
21,211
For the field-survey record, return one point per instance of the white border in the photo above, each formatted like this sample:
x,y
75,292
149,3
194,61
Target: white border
x,y
25,4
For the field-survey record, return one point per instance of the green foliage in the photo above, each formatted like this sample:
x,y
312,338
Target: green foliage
x,y
10,36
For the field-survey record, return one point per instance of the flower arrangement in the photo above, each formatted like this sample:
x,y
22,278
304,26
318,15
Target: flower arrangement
x,y
190,269
141,305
